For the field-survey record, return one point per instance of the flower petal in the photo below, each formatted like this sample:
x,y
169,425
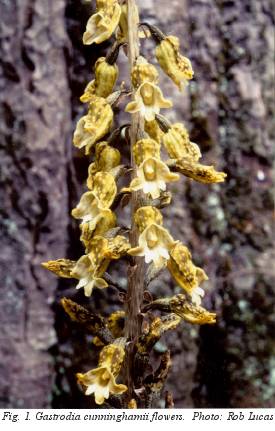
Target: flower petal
x,y
133,107
100,283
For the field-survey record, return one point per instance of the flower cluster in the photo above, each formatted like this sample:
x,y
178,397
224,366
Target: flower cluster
x,y
103,239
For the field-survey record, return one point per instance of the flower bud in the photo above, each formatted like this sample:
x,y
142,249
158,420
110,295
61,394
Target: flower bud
x,y
177,143
153,130
143,72
196,171
177,67
105,79
61,267
145,216
145,148
181,267
107,159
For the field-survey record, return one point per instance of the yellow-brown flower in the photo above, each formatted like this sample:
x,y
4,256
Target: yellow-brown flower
x,y
103,23
152,176
93,126
101,381
175,65
185,154
178,145
90,268
100,198
186,274
180,305
105,221
89,273
148,101
155,243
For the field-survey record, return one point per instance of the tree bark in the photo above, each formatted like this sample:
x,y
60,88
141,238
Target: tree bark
x,y
229,110
35,116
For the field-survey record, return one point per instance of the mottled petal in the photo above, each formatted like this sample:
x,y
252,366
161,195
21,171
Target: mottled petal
x,y
192,313
144,216
186,274
100,283
81,137
88,207
104,188
102,24
144,149
178,145
175,65
201,173
61,267
143,72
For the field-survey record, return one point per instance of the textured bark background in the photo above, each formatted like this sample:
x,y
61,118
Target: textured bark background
x,y
229,110
35,121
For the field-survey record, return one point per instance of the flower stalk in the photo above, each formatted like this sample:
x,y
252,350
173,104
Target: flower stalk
x,y
136,271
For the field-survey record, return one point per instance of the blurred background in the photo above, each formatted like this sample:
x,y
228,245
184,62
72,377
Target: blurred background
x,y
229,111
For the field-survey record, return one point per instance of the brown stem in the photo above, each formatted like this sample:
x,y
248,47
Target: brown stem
x,y
136,271
156,33
112,55
169,401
